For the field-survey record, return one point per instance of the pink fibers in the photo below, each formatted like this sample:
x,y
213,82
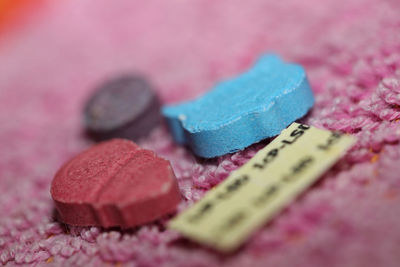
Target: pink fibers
x,y
351,51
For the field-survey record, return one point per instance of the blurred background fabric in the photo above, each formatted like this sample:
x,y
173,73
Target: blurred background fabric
x,y
53,53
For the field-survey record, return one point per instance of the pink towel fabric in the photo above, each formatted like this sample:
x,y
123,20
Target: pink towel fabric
x,y
351,52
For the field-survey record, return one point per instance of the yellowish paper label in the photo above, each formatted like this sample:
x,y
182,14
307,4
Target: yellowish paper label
x,y
230,212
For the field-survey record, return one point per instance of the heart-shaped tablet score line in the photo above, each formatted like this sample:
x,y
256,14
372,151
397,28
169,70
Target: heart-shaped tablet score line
x,y
127,182
118,184
76,184
85,170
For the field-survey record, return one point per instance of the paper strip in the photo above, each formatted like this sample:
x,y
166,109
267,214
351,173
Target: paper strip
x,y
230,212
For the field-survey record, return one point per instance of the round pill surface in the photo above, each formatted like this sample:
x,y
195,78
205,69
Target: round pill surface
x,y
115,183
125,107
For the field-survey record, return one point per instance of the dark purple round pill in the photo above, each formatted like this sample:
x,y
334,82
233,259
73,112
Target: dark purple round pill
x,y
125,107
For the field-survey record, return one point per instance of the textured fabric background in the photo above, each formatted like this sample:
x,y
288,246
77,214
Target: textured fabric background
x,y
350,49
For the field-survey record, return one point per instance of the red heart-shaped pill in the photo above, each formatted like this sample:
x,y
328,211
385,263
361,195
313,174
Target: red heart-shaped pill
x,y
115,183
